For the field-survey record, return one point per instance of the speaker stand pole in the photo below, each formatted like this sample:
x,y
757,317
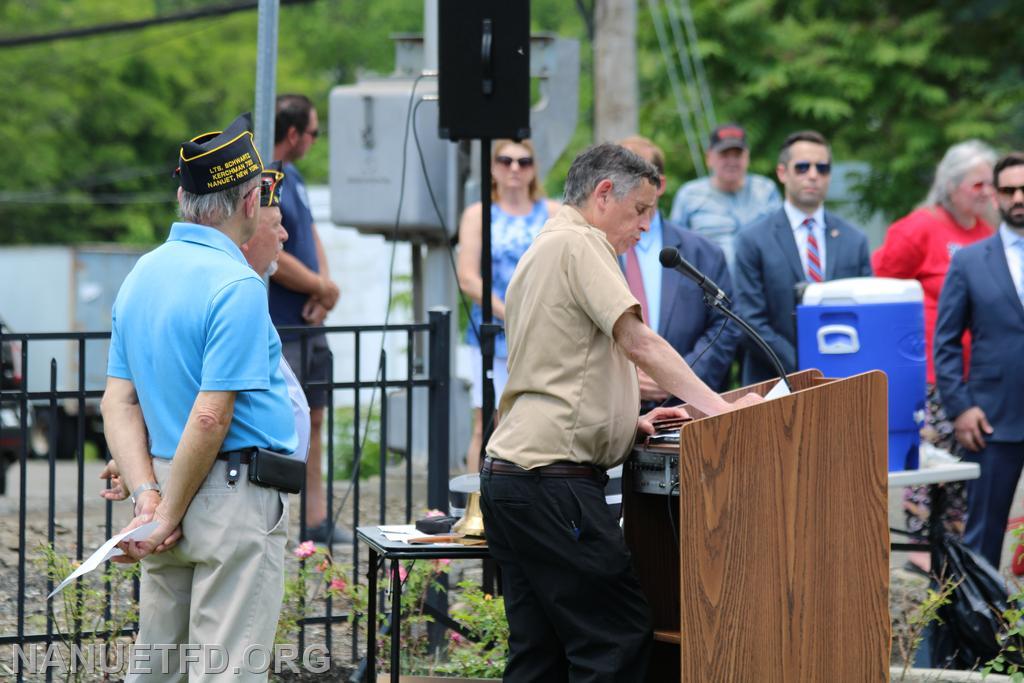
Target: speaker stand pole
x,y
488,331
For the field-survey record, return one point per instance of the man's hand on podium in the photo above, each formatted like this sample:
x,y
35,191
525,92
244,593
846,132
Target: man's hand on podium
x,y
646,422
747,400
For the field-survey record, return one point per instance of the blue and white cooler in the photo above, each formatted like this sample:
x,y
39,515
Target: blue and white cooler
x,y
846,327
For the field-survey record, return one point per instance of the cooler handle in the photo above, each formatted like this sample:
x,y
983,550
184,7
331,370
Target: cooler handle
x,y
844,339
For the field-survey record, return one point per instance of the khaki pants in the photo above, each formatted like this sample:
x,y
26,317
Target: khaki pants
x,y
209,606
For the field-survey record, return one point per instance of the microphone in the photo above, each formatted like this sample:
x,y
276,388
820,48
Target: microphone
x,y
671,258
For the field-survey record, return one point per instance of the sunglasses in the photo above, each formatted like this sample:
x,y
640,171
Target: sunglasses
x,y
315,133
1009,190
267,188
802,167
524,162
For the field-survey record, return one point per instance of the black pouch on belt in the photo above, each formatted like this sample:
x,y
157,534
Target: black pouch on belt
x,y
277,470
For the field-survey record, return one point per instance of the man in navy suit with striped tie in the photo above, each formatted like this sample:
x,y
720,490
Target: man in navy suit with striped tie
x,y
801,242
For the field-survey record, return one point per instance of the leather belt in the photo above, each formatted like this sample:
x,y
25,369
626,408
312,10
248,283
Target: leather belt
x,y
558,469
244,454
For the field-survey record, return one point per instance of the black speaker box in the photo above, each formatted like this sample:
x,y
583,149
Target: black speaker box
x,y
484,69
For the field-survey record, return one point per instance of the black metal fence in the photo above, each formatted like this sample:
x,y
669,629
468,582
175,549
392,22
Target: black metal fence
x,y
64,417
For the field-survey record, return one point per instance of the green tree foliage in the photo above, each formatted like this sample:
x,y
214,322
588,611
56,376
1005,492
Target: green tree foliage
x,y
890,82
91,126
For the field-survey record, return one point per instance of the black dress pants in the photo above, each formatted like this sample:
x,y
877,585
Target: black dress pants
x,y
575,609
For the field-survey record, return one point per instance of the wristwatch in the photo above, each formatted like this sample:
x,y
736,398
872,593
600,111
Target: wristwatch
x,y
148,486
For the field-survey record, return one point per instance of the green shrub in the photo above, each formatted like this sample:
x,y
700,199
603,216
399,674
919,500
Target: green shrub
x,y
369,439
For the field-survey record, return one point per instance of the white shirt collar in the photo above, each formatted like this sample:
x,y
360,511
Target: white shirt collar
x,y
796,216
1010,238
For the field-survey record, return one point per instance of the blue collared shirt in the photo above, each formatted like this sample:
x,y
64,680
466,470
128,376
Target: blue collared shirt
x,y
1013,246
718,215
796,219
192,316
648,253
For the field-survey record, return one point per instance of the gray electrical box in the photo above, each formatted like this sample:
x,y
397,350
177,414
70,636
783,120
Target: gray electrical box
x,y
367,128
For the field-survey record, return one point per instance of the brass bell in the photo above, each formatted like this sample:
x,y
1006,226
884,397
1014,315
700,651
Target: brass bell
x,y
472,523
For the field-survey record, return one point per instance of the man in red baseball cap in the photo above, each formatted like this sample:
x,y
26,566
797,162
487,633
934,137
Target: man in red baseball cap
x,y
717,206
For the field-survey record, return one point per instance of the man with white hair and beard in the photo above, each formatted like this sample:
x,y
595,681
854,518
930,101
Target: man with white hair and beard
x,y
983,293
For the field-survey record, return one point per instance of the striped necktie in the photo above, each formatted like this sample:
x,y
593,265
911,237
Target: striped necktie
x,y
814,272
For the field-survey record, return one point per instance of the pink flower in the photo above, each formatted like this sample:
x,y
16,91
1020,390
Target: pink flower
x,y
323,566
442,562
338,585
402,573
456,637
305,549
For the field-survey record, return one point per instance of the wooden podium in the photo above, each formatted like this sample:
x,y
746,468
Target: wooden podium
x,y
781,567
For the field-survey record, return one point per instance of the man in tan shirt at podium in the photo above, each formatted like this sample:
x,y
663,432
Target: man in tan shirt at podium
x,y
568,413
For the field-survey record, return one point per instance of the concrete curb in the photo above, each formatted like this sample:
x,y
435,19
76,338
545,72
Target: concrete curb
x,y
942,676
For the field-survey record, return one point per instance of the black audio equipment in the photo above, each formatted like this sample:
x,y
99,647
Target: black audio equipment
x,y
484,69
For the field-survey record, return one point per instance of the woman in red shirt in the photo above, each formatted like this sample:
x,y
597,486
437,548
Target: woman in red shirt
x,y
919,246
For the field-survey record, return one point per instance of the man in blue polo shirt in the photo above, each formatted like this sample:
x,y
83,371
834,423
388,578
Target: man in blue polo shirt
x,y
194,387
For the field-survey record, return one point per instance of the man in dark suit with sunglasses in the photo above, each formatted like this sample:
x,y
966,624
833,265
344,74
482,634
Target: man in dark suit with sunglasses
x,y
799,243
983,293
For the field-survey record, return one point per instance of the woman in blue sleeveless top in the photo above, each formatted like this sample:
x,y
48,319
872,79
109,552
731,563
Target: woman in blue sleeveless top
x,y
518,211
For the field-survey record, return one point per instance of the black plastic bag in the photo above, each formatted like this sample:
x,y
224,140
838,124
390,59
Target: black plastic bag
x,y
968,635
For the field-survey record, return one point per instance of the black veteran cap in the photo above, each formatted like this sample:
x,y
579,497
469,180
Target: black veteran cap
x,y
215,161
270,184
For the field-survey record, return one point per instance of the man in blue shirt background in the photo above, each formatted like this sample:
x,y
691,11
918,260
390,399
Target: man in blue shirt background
x,y
302,293
719,205
194,386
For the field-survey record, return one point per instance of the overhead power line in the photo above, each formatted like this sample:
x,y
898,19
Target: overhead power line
x,y
125,26
698,62
696,106
671,68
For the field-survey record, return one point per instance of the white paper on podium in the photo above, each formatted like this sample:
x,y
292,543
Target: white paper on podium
x,y
105,552
778,391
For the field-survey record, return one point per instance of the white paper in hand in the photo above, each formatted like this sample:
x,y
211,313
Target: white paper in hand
x,y
105,552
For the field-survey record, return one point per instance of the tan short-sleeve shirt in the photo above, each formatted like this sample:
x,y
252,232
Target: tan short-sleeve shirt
x,y
572,394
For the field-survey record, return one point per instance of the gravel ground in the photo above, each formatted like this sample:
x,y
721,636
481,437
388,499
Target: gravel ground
x,y
906,589
94,531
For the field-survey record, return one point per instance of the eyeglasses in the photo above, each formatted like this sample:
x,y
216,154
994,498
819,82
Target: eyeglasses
x,y
506,161
802,167
1009,190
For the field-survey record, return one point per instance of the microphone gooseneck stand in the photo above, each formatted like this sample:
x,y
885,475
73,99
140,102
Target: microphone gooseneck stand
x,y
714,302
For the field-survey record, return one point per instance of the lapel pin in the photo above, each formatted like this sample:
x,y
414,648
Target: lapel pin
x,y
834,233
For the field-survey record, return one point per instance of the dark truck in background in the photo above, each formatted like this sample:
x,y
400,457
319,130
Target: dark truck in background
x,y
10,412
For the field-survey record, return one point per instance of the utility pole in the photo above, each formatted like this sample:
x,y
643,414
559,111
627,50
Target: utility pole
x,y
266,78
615,82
